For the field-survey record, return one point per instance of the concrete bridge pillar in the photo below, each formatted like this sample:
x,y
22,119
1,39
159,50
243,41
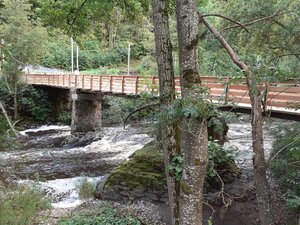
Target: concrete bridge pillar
x,y
86,111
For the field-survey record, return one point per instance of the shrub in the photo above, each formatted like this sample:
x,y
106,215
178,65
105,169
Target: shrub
x,y
8,141
36,102
58,55
147,66
64,117
21,205
86,188
104,215
117,109
285,163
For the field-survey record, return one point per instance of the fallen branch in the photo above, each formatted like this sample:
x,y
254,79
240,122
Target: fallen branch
x,y
8,120
137,110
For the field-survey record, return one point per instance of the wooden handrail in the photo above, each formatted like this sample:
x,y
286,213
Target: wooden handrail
x,y
279,94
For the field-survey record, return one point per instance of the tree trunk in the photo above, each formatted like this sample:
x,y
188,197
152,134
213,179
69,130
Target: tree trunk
x,y
195,152
8,120
266,215
169,131
194,140
15,83
259,166
187,31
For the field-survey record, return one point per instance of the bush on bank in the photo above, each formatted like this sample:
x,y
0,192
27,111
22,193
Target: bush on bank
x,y
285,163
21,204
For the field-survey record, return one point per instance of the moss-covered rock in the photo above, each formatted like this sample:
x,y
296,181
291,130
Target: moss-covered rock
x,y
143,176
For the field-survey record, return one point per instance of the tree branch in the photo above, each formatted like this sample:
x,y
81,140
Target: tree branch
x,y
77,13
137,110
238,24
254,21
228,48
8,120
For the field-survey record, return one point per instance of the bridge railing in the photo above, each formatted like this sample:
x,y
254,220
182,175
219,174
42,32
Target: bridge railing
x,y
221,89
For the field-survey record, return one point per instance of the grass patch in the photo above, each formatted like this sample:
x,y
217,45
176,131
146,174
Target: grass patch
x,y
103,216
86,188
19,206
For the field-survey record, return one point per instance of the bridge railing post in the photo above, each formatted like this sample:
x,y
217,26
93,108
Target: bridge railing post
x,y
152,85
227,90
110,83
91,82
100,83
123,84
136,85
82,81
76,82
69,80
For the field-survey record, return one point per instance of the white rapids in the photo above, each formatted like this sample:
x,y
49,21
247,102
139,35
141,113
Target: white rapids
x,y
116,141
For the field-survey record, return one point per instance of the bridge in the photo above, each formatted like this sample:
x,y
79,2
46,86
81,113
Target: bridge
x,y
87,92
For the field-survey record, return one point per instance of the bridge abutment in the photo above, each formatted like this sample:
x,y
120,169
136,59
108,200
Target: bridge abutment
x,y
86,111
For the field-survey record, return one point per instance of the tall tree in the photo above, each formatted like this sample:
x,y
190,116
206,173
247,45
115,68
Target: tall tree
x,y
255,93
169,131
194,138
23,40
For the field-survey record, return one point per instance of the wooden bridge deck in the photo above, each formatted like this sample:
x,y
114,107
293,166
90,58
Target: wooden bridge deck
x,y
280,96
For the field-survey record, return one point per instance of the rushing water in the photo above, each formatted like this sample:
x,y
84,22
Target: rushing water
x,y
58,168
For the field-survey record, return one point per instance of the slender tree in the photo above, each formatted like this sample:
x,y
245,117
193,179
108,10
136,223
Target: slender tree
x,y
255,92
22,43
194,138
169,131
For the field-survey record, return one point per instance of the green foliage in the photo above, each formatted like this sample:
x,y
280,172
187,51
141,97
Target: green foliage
x,y
117,109
192,107
57,55
23,38
20,206
285,163
76,18
104,216
269,48
36,102
91,54
64,117
86,188
175,167
218,157
147,66
5,93
5,142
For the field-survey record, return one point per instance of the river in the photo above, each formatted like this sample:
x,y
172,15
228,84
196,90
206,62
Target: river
x,y
43,158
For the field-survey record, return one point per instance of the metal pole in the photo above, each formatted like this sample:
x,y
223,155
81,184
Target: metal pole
x,y
2,55
128,72
72,55
77,58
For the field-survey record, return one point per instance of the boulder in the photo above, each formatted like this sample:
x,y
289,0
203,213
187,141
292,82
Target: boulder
x,y
143,177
